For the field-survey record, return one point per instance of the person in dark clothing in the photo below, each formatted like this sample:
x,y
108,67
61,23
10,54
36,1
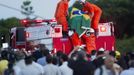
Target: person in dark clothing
x,y
72,59
81,65
121,61
28,60
55,60
42,60
10,70
4,55
98,62
112,53
58,55
130,70
38,53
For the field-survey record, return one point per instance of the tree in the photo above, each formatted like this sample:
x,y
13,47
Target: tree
x,y
121,13
7,24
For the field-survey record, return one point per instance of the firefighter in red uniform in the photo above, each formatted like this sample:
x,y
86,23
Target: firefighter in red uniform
x,y
90,40
94,12
61,14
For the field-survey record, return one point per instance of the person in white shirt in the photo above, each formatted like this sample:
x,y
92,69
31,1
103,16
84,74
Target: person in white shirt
x,y
51,69
19,63
129,71
109,67
31,67
65,70
42,60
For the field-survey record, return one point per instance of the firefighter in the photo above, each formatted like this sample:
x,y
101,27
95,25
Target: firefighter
x,y
94,11
90,40
61,14
79,23
87,36
87,39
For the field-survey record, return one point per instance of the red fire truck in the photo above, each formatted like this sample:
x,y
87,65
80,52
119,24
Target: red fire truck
x,y
106,37
49,33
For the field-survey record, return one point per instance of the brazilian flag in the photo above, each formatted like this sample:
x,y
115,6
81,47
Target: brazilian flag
x,y
78,19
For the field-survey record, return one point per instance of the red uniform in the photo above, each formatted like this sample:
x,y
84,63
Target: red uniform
x,y
76,41
61,13
95,12
89,41
96,17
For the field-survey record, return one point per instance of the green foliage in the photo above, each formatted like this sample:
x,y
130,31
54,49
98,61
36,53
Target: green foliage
x,y
115,7
11,22
7,24
125,45
121,12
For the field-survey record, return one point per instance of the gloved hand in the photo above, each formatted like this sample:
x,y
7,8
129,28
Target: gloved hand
x,y
88,33
70,32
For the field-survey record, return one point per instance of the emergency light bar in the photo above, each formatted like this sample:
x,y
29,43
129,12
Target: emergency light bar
x,y
38,21
27,22
24,22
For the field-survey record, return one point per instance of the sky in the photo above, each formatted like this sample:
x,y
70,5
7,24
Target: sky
x,y
43,8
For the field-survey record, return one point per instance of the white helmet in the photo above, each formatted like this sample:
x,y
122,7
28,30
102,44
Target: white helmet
x,y
101,49
91,30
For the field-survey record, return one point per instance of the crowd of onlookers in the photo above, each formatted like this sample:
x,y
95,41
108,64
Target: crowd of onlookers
x,y
42,62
